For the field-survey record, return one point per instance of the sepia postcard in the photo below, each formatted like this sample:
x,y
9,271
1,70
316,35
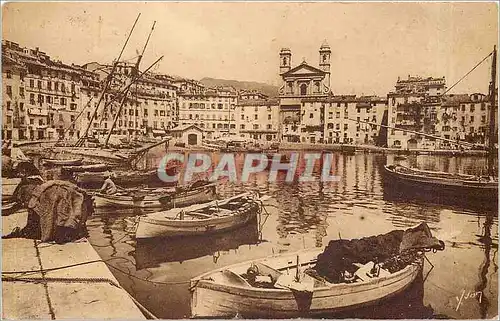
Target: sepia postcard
x,y
250,160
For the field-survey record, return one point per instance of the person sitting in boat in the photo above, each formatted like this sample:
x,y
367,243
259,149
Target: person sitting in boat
x,y
109,187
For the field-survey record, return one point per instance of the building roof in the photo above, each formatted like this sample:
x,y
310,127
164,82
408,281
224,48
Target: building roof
x,y
258,102
306,67
182,128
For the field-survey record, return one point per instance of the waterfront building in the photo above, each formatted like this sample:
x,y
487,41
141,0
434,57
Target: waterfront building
x,y
188,135
257,119
41,96
252,95
413,106
149,109
213,110
465,117
191,86
302,88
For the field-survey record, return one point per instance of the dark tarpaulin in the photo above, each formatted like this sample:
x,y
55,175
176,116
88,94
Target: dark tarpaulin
x,y
62,208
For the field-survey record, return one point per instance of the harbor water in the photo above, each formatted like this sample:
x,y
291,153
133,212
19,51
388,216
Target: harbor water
x,y
462,283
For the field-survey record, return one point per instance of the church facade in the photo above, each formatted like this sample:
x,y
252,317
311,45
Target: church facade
x,y
302,87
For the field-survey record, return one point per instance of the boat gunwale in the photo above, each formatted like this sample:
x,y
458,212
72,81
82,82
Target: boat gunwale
x,y
441,180
215,219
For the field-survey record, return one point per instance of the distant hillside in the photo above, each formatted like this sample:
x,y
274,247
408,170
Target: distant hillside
x,y
270,90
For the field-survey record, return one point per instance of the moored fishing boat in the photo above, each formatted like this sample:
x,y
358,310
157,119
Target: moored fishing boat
x,y
440,184
62,162
289,285
121,178
156,198
69,170
200,219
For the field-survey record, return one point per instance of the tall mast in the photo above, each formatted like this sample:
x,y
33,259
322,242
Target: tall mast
x,y
491,138
135,73
107,84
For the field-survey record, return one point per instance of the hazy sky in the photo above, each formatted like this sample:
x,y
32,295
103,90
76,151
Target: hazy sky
x,y
372,43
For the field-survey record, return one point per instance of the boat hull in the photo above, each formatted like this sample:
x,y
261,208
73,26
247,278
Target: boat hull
x,y
63,162
122,178
440,189
150,228
210,299
184,198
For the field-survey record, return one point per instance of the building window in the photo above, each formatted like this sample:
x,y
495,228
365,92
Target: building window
x,y
346,126
311,115
256,126
21,91
9,90
32,83
21,107
317,87
269,126
269,117
72,106
242,126
9,74
63,101
256,116
290,87
303,89
471,119
8,106
39,84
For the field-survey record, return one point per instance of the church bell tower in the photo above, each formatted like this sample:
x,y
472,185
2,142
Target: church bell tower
x,y
324,62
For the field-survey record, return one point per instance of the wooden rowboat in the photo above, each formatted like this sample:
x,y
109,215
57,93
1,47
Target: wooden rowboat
x,y
121,178
63,162
200,219
345,275
440,184
156,198
225,293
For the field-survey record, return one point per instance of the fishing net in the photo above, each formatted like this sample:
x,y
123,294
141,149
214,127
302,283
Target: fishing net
x,y
393,251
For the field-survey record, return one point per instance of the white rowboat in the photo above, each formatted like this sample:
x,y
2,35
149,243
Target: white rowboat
x,y
200,219
150,198
225,293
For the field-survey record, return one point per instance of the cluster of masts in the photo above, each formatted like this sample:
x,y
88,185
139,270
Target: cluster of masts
x,y
123,93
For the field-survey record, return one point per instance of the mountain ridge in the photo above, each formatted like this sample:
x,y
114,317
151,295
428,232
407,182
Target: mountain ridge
x,y
267,89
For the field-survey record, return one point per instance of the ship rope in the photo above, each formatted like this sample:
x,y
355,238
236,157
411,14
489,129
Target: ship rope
x,y
463,77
